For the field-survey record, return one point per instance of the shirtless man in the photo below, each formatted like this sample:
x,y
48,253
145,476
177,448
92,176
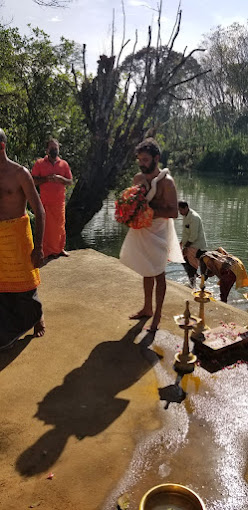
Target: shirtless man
x,y
149,246
20,308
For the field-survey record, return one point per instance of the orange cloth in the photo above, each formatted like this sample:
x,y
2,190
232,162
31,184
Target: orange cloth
x,y
219,260
17,273
54,234
52,195
51,192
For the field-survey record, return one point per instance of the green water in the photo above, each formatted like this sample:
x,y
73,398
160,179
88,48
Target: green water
x,y
223,206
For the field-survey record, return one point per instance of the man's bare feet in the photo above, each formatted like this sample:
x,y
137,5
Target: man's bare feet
x,y
64,253
151,329
39,328
155,323
142,314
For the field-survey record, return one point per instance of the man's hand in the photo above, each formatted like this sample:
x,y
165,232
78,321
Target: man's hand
x,y
56,178
37,257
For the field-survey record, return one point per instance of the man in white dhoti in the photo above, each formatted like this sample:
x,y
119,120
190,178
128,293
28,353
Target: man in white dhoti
x,y
148,249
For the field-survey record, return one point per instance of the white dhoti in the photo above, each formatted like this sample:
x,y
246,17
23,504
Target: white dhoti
x,y
148,249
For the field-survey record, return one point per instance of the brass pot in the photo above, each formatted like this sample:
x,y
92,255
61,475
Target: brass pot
x,y
171,495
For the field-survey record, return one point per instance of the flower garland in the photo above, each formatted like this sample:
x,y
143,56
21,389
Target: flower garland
x,y
132,209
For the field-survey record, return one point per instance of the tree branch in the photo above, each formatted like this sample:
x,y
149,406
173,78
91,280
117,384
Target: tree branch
x,y
74,76
84,61
53,3
175,30
188,79
179,98
123,43
113,34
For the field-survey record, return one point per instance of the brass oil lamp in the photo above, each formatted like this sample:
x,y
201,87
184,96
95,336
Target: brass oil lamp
x,y
201,296
184,362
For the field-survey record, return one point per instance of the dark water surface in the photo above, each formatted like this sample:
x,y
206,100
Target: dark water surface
x,y
223,207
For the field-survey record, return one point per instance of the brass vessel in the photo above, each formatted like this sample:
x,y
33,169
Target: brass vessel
x,y
171,495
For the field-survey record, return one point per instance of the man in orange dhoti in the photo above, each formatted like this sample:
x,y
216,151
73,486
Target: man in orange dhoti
x,y
52,175
20,308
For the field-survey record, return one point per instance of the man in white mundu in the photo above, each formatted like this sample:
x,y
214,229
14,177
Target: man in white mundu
x,y
147,250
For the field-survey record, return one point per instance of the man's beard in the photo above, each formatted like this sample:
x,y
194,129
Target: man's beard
x,y
150,169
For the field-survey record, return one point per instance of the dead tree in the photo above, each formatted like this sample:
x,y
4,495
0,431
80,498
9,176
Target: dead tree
x,y
117,118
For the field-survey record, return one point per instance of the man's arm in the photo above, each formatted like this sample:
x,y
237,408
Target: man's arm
x,y
40,180
31,194
166,206
59,178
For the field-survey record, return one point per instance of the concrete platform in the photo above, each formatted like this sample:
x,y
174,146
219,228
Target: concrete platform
x,y
83,402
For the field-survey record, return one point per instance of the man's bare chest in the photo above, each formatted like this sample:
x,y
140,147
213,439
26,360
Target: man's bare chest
x,y
159,190
8,189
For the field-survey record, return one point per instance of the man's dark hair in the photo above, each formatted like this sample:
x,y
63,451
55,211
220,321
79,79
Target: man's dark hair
x,y
54,140
150,146
3,137
182,204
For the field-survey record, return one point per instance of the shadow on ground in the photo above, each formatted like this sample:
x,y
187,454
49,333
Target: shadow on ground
x,y
8,355
173,392
85,404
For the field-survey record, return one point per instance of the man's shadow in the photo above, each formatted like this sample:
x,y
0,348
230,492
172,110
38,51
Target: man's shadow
x,y
8,355
85,404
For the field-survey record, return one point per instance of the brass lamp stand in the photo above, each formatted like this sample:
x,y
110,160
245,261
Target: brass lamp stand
x,y
185,360
201,296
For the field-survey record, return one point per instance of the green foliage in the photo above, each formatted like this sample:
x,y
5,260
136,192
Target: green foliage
x,y
37,99
230,161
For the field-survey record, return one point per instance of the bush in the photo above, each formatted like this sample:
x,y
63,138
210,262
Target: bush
x,y
232,161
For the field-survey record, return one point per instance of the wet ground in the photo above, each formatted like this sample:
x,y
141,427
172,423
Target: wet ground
x,y
203,440
83,402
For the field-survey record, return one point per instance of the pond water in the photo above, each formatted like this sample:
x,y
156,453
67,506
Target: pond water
x,y
223,207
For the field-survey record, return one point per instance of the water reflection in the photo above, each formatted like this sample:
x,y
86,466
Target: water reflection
x,y
223,206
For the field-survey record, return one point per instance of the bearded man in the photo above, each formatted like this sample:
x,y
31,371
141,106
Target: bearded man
x,y
148,249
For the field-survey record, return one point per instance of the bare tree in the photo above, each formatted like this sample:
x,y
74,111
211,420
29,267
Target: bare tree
x,y
117,116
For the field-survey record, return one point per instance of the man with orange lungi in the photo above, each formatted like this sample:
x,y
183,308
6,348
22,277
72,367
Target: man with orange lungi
x,y
20,258
52,175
